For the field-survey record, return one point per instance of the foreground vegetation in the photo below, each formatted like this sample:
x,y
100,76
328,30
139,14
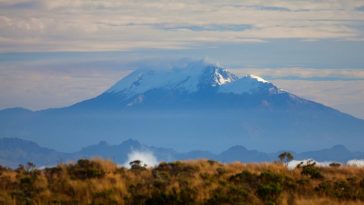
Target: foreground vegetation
x,y
190,182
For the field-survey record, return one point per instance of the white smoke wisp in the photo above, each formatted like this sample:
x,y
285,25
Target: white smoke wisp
x,y
146,157
356,162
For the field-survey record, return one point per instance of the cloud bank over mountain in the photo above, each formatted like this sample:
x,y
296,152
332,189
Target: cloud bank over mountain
x,y
42,25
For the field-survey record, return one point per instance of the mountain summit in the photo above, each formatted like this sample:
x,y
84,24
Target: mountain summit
x,y
188,78
189,106
195,84
192,77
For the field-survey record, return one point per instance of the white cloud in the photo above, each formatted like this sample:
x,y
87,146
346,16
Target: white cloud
x,y
146,157
346,96
342,89
41,25
293,164
356,162
304,73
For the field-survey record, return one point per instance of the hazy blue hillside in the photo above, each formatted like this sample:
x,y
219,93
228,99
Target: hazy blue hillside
x,y
15,151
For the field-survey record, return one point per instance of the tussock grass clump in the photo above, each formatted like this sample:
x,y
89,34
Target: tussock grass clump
x,y
200,182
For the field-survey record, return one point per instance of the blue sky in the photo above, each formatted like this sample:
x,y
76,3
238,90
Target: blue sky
x,y
55,53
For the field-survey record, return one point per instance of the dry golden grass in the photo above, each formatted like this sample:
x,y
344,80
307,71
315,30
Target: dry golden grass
x,y
325,201
185,182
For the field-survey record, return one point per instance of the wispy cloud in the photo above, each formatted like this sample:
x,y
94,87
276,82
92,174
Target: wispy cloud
x,y
360,8
21,5
272,8
346,96
305,73
342,89
208,27
44,25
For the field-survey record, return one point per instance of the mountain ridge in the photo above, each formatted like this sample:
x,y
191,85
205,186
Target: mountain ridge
x,y
15,151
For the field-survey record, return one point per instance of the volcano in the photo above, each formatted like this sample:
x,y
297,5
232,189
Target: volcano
x,y
190,105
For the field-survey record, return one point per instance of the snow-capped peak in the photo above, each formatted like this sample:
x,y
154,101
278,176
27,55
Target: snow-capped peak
x,y
189,77
221,80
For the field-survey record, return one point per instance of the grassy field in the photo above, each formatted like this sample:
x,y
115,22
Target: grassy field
x,y
182,182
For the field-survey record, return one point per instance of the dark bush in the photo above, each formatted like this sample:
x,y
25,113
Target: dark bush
x,y
53,172
344,190
245,177
162,198
334,164
269,193
361,184
103,197
220,171
324,188
312,171
271,177
185,196
176,168
86,169
229,195
2,169
137,165
270,187
212,162
303,182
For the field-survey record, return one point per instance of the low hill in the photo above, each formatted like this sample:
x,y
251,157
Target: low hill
x,y
15,151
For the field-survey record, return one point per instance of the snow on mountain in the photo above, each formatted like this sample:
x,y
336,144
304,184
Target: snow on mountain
x,y
257,78
250,84
144,80
190,78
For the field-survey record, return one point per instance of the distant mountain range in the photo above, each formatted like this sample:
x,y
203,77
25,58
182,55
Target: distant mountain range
x,y
189,105
15,151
